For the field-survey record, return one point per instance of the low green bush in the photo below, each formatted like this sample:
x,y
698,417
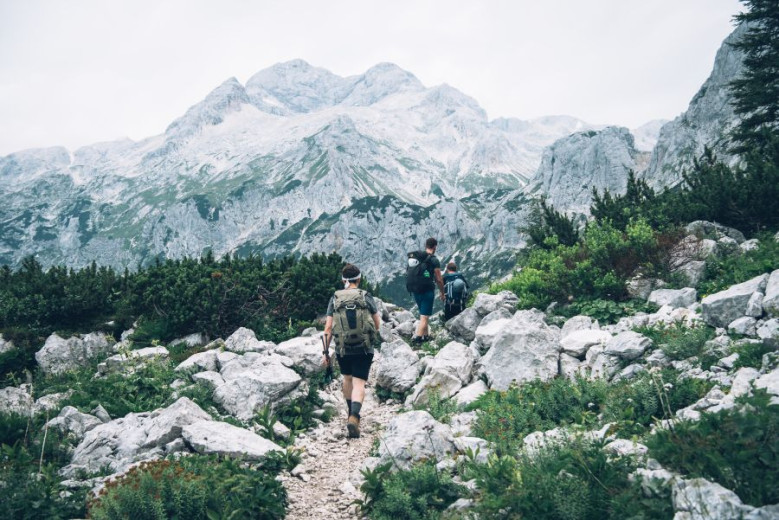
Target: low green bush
x,y
420,493
506,417
439,407
678,341
605,311
573,480
737,448
723,272
751,354
194,487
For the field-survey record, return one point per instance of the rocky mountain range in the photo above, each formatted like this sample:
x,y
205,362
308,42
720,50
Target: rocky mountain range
x,y
300,160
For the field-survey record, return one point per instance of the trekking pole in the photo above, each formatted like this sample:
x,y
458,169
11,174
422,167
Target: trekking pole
x,y
329,362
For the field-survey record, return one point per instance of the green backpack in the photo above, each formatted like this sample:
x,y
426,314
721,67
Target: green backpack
x,y
353,327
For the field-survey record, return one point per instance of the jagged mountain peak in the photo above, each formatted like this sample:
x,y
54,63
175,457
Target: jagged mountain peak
x,y
227,97
378,82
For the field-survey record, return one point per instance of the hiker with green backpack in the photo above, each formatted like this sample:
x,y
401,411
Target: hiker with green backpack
x,y
353,321
423,273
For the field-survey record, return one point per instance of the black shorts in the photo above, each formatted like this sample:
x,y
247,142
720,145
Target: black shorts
x,y
355,365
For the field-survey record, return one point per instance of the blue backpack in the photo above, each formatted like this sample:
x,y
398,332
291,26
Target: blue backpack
x,y
456,289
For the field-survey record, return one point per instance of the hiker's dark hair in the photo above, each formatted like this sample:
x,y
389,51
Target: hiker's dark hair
x,y
451,266
431,242
350,271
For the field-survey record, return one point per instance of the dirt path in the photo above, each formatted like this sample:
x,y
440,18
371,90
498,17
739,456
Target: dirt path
x,y
322,492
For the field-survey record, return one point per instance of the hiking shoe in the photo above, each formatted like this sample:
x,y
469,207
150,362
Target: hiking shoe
x,y
353,426
417,340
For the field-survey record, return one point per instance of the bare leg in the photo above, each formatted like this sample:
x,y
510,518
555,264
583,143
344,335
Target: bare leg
x,y
422,328
347,387
358,389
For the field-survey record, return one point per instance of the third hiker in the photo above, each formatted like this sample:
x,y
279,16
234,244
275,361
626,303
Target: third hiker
x,y
456,289
423,274
353,322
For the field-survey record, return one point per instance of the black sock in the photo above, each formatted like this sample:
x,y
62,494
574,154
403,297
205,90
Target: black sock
x,y
356,405
348,406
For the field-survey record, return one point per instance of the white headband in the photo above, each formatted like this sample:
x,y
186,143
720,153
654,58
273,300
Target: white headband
x,y
352,279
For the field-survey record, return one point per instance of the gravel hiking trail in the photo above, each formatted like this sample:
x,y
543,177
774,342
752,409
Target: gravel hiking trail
x,y
319,488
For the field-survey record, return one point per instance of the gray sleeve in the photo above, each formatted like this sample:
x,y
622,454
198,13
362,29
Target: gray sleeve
x,y
371,303
330,307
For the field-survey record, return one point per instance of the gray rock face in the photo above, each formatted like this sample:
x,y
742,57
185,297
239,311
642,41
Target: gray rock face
x,y
397,367
628,345
414,436
15,400
446,373
60,355
135,437
522,351
699,499
721,308
306,352
673,297
244,340
220,438
769,329
706,122
576,164
255,380
771,300
713,231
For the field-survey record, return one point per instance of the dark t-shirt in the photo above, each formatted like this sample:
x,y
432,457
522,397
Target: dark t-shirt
x,y
433,263
369,301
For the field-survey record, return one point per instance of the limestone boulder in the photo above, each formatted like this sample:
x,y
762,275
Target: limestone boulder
x,y
577,343
578,323
244,340
201,361
60,355
415,436
699,499
471,393
673,297
769,330
485,304
744,326
132,359
397,367
306,352
220,438
714,231
771,300
445,374
488,330
70,420
463,326
118,444
16,400
5,345
627,345
720,309
254,380
524,350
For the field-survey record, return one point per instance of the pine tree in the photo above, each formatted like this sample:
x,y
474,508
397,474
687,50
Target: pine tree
x,y
756,92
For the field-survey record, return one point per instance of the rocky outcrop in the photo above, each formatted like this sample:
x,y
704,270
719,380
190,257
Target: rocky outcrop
x,y
575,165
244,340
305,352
138,436
720,309
219,438
62,355
414,436
445,374
525,349
673,297
706,122
397,367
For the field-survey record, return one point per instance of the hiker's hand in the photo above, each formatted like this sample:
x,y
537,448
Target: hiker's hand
x,y
324,360
443,297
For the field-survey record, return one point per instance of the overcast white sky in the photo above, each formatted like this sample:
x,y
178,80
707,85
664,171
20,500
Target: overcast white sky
x,y
81,71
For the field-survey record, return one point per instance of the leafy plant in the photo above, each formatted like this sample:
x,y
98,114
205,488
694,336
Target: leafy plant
x,y
419,493
678,341
193,487
751,354
605,311
439,407
737,448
